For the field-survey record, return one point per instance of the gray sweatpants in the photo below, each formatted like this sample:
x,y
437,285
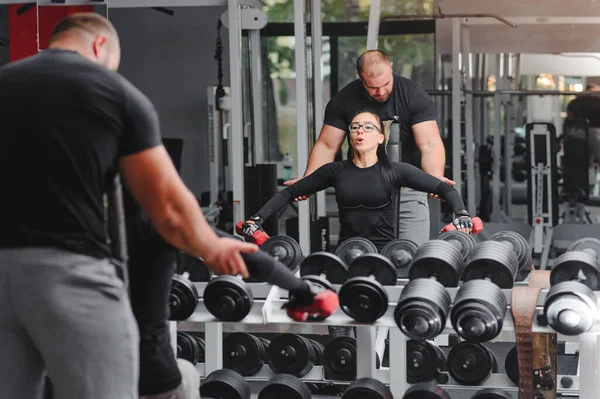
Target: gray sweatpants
x,y
67,315
414,216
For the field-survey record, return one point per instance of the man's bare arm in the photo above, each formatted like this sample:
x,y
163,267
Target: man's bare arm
x,y
328,144
429,141
155,184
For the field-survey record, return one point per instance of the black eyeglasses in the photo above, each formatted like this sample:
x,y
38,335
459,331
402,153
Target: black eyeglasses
x,y
367,127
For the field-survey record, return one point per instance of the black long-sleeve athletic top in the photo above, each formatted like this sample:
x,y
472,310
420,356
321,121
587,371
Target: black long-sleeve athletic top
x,y
365,206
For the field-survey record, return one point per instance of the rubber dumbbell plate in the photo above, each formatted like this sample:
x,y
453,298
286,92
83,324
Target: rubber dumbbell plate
x,y
511,366
291,354
425,391
578,266
183,298
340,356
187,348
375,265
465,241
243,353
422,309
367,388
228,298
586,244
317,263
284,249
401,253
470,364
519,244
354,247
424,359
491,393
363,299
493,260
225,384
285,386
440,259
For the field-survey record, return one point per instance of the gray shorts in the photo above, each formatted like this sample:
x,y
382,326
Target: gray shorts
x,y
414,216
69,316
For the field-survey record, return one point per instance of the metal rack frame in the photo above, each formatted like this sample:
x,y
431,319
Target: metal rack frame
x,y
267,316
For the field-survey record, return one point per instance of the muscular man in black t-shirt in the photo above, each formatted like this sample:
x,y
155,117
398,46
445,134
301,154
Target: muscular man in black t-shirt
x,y
70,124
391,97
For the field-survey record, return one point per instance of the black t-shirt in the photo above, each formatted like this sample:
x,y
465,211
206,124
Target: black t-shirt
x,y
585,107
66,121
407,101
365,206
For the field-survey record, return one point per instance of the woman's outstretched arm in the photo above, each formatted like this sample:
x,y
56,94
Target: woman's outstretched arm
x,y
319,180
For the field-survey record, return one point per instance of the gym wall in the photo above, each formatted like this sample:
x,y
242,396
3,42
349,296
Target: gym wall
x,y
170,58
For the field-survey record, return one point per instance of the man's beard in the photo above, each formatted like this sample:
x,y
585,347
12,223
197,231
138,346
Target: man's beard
x,y
380,100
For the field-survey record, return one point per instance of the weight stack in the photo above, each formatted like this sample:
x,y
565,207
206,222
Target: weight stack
x,y
260,184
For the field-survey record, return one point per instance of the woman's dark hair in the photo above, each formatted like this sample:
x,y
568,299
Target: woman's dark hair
x,y
387,172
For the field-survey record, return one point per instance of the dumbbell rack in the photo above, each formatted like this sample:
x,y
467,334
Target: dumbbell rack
x,y
267,316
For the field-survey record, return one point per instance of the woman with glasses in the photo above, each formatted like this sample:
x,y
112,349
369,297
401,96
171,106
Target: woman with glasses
x,y
365,184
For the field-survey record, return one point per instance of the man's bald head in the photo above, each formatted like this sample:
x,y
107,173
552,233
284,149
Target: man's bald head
x,y
373,63
91,35
374,69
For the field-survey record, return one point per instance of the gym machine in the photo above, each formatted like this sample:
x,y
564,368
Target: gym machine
x,y
542,188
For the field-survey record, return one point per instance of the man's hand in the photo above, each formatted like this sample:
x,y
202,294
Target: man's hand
x,y
225,257
290,182
445,180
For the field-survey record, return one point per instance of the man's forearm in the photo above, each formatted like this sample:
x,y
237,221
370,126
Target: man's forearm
x,y
433,160
184,226
319,156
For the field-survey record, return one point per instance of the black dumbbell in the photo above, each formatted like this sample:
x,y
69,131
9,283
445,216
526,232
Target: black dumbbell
x,y
284,386
520,247
244,353
401,252
293,354
424,361
323,268
471,364
354,247
362,296
367,388
226,384
283,249
571,306
190,348
228,298
183,297
424,303
491,393
339,359
425,391
480,305
464,242
511,366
